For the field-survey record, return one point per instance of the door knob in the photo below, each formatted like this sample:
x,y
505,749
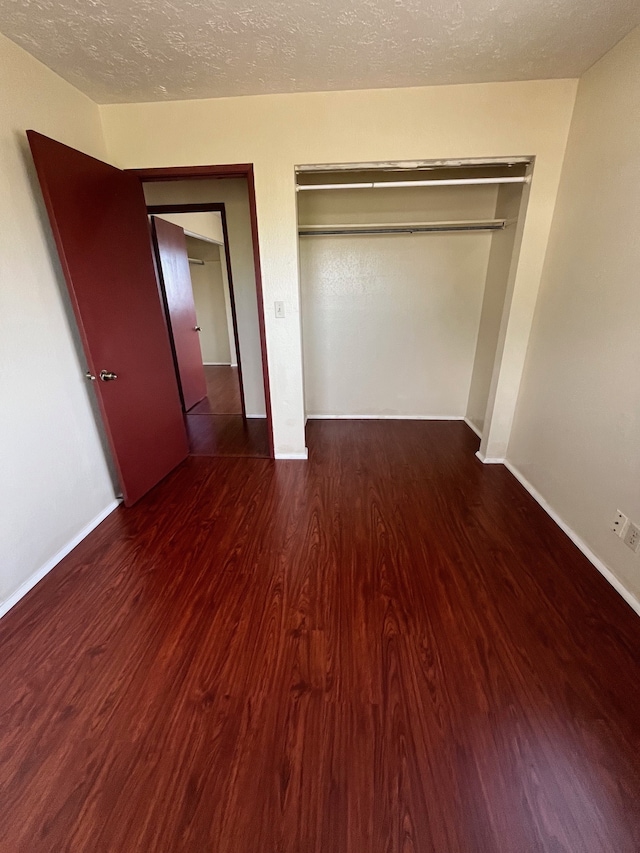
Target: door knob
x,y
107,376
197,329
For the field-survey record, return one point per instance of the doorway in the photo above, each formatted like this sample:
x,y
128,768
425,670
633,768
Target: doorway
x,y
214,313
209,287
232,417
228,191
215,415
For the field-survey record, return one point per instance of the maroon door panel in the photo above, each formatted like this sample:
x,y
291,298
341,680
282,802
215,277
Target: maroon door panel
x,y
99,221
173,265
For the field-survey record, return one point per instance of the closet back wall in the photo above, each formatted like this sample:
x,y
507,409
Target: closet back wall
x,y
390,322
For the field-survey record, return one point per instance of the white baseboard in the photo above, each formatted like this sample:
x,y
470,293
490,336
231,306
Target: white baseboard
x,y
604,570
256,416
472,426
303,454
37,576
490,460
218,364
384,417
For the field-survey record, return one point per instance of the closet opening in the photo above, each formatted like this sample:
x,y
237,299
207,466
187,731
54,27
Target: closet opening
x,y
406,273
232,415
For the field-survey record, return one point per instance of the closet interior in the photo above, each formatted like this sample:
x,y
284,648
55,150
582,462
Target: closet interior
x,y
404,277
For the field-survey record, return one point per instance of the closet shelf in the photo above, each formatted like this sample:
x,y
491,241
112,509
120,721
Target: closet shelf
x,y
348,229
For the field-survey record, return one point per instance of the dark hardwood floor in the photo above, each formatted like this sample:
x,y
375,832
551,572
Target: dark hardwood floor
x,y
223,392
388,649
215,425
227,435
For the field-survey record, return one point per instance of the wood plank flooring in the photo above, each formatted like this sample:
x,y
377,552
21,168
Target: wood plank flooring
x,y
388,649
227,435
223,392
215,425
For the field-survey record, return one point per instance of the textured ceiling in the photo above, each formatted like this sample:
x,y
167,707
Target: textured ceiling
x,y
147,50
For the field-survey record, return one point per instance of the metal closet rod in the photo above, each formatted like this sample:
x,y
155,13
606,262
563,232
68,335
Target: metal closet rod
x,y
196,261
447,182
416,228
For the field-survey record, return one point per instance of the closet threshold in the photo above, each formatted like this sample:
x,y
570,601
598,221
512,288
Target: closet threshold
x,y
401,228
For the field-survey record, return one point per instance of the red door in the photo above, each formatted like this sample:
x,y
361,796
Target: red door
x,y
173,265
99,221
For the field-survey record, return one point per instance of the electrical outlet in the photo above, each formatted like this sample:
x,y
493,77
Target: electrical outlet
x,y
619,525
632,537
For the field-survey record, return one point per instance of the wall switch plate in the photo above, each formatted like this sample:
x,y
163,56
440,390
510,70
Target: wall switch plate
x,y
632,537
279,306
619,525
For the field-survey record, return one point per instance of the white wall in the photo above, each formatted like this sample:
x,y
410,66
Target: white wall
x,y
233,193
52,467
576,435
493,303
276,132
390,321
